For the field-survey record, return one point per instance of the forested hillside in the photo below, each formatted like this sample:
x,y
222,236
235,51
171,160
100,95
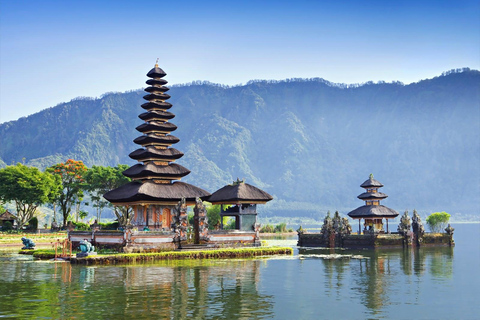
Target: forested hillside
x,y
309,143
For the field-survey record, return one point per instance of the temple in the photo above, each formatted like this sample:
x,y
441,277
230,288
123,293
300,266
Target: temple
x,y
243,199
155,188
372,212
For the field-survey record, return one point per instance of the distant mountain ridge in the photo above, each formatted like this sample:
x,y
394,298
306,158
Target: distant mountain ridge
x,y
308,142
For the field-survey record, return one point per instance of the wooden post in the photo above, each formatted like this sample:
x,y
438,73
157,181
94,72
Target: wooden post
x,y
359,227
387,224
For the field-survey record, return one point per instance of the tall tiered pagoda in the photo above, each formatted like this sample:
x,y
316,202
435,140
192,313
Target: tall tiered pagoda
x,y
372,212
155,190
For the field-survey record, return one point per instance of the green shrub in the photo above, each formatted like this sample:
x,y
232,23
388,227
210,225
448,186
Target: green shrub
x,y
281,228
267,229
213,214
81,226
437,221
33,224
109,225
7,226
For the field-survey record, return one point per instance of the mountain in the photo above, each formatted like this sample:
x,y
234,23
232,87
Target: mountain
x,y
308,142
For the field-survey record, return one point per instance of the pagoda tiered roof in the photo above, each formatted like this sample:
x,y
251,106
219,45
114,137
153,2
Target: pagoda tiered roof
x,y
156,126
137,192
152,139
371,182
155,174
378,211
151,170
372,198
156,115
151,153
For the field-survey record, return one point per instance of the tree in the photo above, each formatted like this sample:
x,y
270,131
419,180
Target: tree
x,y
100,180
71,175
213,214
28,188
437,221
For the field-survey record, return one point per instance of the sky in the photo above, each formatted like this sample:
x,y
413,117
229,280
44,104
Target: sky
x,y
54,51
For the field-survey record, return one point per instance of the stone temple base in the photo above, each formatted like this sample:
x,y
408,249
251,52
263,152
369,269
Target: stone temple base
x,y
85,254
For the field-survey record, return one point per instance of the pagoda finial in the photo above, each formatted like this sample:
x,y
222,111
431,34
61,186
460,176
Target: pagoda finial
x,y
156,63
371,176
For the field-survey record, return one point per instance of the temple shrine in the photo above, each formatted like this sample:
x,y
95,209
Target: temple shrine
x,y
372,212
243,199
155,189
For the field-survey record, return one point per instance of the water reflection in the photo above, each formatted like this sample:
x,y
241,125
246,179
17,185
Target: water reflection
x,y
383,277
194,290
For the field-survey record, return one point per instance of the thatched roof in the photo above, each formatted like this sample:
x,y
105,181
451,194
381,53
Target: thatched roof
x,y
373,212
372,196
240,192
153,139
7,215
371,182
156,89
156,105
152,170
156,115
157,126
156,96
136,192
156,73
154,153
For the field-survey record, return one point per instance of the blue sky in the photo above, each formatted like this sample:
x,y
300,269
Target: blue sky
x,y
54,51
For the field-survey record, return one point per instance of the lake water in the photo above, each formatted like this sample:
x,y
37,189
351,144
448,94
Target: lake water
x,y
428,283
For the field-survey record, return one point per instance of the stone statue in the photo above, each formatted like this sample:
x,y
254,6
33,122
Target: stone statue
x,y
200,221
346,227
256,228
55,226
86,247
327,227
404,226
28,244
417,226
180,220
337,223
449,230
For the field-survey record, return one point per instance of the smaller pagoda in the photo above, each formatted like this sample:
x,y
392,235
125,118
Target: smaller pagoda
x,y
372,212
243,199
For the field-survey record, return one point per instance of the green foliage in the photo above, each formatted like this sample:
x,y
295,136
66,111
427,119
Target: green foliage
x,y
28,188
281,228
191,218
82,214
437,221
2,209
213,214
100,180
33,224
81,226
109,225
7,226
197,254
229,223
268,228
